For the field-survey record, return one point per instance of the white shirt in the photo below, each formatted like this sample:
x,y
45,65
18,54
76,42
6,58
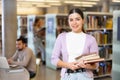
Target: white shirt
x,y
75,44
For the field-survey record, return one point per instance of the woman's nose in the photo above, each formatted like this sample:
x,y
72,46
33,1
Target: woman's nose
x,y
74,21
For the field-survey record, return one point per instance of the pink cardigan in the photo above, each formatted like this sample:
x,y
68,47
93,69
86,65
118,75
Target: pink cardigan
x,y
61,50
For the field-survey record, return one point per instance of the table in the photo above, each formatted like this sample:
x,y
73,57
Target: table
x,y
17,74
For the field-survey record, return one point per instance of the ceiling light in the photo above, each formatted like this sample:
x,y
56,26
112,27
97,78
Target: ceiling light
x,y
26,5
49,1
79,2
83,5
55,4
36,3
91,0
115,0
34,0
43,6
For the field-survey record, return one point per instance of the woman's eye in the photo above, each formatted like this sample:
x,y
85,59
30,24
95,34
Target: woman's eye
x,y
77,19
70,19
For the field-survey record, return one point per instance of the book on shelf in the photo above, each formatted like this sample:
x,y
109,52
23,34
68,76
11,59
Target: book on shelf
x,y
102,68
108,67
105,68
101,36
90,58
105,52
109,23
95,21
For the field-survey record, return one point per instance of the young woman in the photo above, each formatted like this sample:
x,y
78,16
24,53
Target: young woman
x,y
69,45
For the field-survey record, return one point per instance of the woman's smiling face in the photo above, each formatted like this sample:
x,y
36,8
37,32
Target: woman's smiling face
x,y
75,22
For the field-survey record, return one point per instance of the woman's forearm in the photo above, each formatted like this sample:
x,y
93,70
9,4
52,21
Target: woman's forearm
x,y
62,64
92,66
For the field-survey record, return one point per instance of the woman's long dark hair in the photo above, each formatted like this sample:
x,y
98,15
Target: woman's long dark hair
x,y
80,12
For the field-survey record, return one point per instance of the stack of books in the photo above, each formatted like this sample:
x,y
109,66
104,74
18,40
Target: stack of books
x,y
90,58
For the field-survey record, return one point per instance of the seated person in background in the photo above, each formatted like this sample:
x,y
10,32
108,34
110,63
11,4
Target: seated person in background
x,y
24,57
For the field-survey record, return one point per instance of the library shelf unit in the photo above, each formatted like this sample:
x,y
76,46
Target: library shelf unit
x,y
22,25
55,24
99,24
0,35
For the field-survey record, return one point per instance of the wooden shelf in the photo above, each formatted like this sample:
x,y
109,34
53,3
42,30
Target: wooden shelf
x,y
101,76
108,59
98,29
98,13
109,44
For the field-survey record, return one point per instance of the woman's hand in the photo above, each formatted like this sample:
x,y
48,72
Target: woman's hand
x,y
81,64
72,65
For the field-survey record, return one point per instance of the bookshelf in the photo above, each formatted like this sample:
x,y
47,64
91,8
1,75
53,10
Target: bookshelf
x,y
100,26
0,35
22,26
62,23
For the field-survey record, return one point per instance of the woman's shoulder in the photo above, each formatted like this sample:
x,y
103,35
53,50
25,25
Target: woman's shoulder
x,y
63,34
90,37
